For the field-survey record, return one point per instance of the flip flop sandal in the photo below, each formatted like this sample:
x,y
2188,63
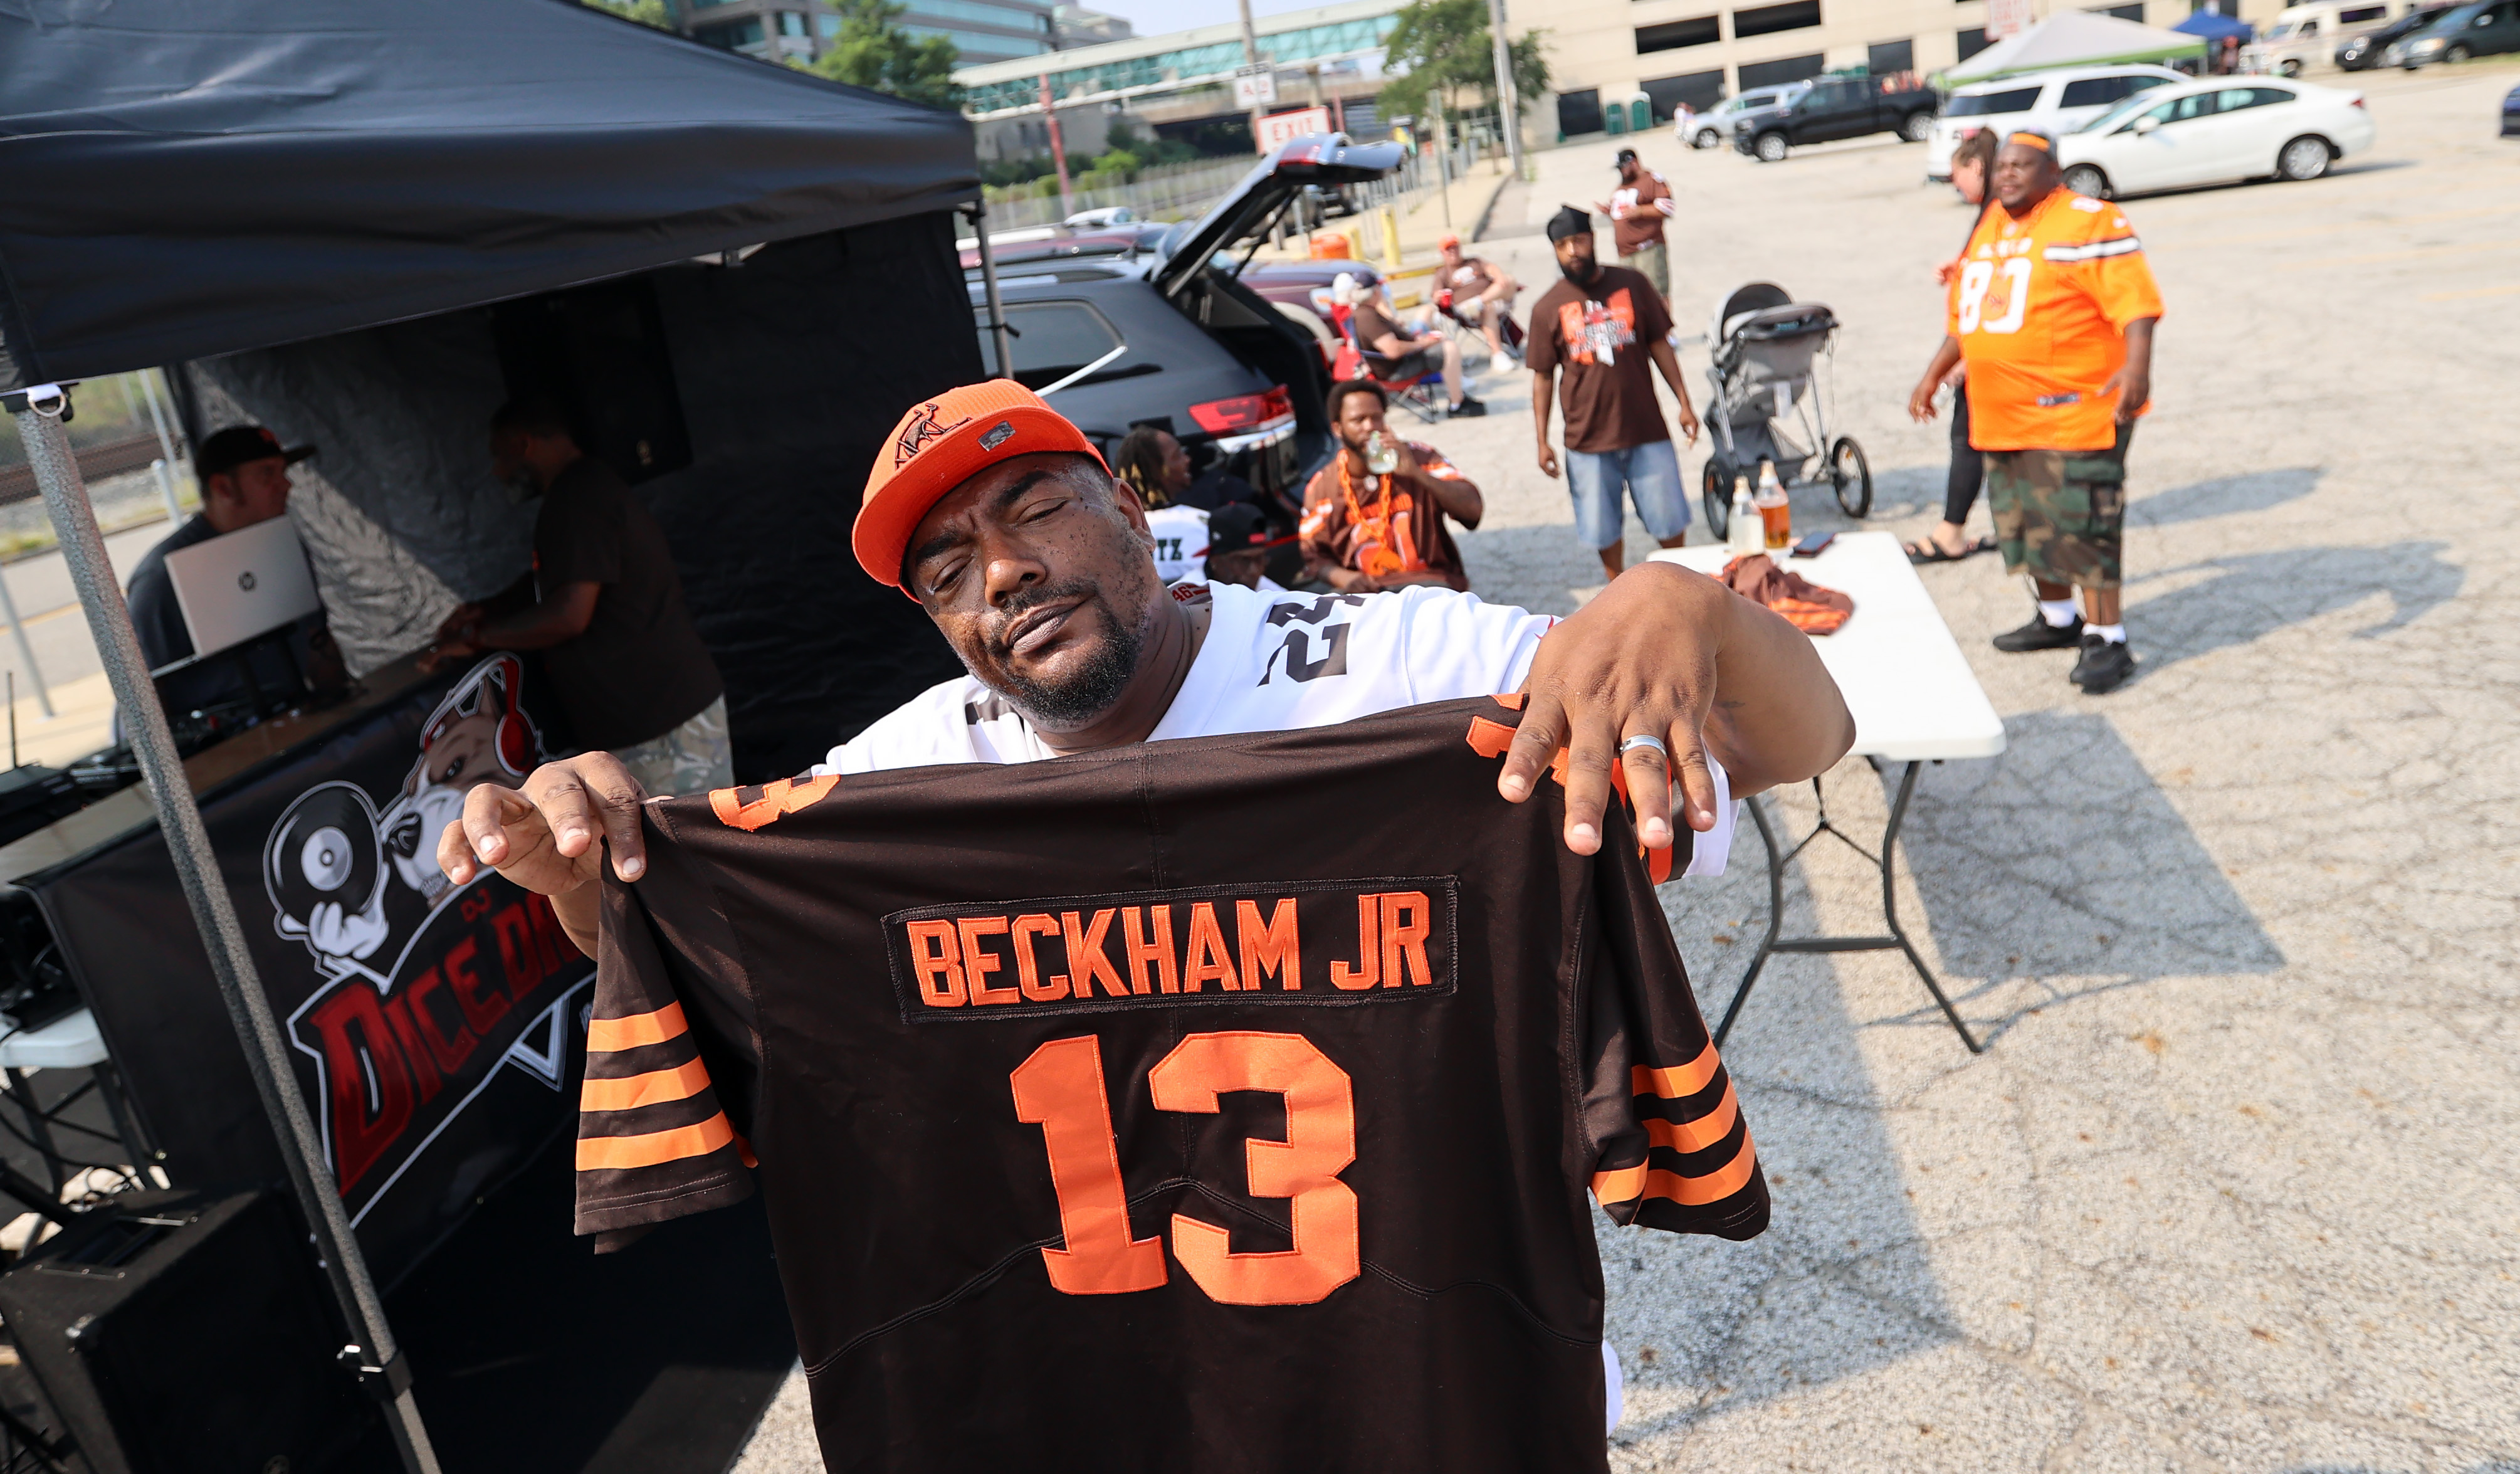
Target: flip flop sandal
x,y
1927,550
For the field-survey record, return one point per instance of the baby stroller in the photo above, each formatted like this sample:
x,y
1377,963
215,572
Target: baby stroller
x,y
1765,345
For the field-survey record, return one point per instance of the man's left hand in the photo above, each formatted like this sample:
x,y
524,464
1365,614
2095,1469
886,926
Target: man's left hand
x,y
444,653
1638,661
1689,424
2132,388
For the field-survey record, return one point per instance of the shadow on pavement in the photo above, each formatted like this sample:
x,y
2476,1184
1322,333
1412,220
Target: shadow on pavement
x,y
2254,595
2257,491
2063,863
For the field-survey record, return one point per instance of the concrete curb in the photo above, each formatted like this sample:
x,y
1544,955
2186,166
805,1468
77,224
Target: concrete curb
x,y
1479,231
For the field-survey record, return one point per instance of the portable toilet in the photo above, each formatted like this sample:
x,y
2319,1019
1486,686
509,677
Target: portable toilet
x,y
1614,119
1640,114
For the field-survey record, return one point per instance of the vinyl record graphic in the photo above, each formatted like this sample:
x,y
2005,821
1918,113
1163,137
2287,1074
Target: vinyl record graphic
x,y
324,849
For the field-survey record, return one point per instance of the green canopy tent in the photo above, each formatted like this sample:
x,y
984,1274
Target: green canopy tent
x,y
2076,39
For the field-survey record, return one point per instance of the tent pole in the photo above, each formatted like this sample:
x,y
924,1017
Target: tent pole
x,y
38,412
978,210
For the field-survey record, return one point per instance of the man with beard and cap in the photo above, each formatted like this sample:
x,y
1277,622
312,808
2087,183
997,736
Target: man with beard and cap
x,y
1592,337
243,473
1395,356
999,518
624,659
1637,209
2052,310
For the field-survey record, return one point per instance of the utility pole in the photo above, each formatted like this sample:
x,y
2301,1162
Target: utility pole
x,y
1251,58
1057,149
1508,100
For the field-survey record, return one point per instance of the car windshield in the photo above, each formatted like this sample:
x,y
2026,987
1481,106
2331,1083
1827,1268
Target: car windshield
x,y
1981,104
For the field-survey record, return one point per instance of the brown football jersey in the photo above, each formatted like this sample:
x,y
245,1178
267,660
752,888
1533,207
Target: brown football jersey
x,y
1225,1104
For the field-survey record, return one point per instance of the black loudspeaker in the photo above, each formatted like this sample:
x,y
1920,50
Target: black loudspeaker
x,y
187,1331
600,352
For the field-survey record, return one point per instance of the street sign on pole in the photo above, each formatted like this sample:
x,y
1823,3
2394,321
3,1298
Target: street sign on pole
x,y
1255,87
1278,127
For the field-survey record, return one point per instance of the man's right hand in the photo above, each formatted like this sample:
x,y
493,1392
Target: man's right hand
x,y
458,623
1548,460
543,836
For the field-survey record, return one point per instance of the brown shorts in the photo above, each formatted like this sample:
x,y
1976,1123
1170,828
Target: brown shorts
x,y
2060,514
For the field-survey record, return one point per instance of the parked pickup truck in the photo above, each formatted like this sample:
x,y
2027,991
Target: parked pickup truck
x,y
1840,107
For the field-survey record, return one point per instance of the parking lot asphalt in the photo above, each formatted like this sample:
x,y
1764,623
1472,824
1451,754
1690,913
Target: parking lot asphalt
x,y
2237,1185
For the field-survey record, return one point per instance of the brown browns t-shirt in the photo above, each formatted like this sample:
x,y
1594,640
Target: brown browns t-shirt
x,y
1372,322
1395,542
1600,338
638,670
1635,222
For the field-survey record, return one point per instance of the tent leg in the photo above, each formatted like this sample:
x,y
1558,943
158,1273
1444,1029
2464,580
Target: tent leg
x,y
979,215
38,412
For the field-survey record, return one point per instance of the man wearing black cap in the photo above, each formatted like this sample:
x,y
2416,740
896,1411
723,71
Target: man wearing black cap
x,y
243,472
1637,209
1593,335
1238,547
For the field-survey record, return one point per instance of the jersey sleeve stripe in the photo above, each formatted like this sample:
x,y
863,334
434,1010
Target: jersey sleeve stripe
x,y
1629,1184
655,1148
1674,1084
2092,250
655,1087
606,1035
1699,1134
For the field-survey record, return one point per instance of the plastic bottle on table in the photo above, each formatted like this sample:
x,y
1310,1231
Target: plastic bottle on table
x,y
1742,532
1776,513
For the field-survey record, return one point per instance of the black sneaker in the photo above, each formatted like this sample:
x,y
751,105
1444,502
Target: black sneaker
x,y
2104,666
2040,635
1468,408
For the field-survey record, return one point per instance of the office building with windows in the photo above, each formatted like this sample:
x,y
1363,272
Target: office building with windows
x,y
981,31
1618,62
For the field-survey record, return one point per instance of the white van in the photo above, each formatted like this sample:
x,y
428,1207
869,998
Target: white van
x,y
2307,35
2045,102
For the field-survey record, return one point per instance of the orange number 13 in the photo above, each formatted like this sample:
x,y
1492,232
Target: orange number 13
x,y
1060,1089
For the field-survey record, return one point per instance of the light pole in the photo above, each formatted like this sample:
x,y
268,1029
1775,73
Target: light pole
x,y
1509,101
1251,58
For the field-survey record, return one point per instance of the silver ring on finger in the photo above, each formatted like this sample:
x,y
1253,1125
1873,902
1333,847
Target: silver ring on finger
x,y
1644,739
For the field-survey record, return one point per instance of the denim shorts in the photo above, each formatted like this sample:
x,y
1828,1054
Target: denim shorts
x,y
1647,472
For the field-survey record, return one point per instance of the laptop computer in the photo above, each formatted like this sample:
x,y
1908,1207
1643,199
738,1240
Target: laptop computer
x,y
243,584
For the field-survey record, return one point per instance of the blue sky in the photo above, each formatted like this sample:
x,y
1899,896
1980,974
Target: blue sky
x,y
1154,17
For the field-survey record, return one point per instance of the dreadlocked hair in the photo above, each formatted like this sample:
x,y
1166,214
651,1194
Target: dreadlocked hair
x,y
1140,462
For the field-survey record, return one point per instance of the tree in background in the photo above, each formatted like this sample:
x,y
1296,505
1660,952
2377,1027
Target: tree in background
x,y
874,51
644,12
1443,45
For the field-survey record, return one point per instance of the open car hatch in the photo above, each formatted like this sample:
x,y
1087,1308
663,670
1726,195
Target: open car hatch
x,y
1323,159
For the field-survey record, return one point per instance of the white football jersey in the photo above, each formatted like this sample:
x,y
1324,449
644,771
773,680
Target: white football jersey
x,y
1271,663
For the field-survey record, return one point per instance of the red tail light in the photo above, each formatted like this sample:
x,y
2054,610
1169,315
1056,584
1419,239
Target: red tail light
x,y
2356,100
1243,412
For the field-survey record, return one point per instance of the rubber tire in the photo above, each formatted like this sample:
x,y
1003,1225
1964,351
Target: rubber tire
x,y
2324,155
2457,55
1770,147
2289,70
1705,137
1716,492
1918,127
1853,486
2088,174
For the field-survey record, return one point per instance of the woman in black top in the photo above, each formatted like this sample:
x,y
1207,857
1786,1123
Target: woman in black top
x,y
1950,542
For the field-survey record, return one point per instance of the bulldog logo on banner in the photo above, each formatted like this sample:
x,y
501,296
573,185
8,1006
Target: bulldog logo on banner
x,y
427,991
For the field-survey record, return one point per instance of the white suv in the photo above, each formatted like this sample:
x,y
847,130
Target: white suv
x,y
2053,103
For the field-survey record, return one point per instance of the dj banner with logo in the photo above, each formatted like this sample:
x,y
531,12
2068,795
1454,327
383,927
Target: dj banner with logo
x,y
438,1031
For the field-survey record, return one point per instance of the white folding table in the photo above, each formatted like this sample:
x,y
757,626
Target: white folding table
x,y
1914,701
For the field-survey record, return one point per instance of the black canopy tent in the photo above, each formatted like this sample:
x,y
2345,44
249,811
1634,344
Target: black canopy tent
x,y
205,180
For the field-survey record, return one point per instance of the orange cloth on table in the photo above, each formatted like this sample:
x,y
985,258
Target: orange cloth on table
x,y
1806,606
2039,306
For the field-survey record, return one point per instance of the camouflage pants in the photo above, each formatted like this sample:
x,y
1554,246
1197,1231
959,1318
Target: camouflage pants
x,y
692,758
2060,514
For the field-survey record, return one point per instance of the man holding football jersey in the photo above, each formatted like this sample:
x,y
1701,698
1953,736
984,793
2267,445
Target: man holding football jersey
x,y
996,514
